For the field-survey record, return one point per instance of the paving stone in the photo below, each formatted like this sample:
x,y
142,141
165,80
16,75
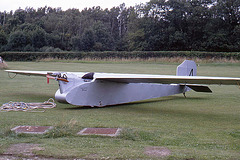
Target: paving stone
x,y
32,129
112,132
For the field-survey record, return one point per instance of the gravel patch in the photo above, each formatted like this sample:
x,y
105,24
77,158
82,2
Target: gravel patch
x,y
157,151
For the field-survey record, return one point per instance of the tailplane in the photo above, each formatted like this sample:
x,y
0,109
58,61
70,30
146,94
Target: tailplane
x,y
187,68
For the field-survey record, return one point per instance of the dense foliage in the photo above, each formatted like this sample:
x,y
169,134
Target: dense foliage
x,y
200,25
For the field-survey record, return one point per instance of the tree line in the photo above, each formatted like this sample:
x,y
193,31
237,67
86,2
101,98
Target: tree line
x,y
190,25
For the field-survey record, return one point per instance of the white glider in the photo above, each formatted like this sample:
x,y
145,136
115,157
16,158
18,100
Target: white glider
x,y
103,89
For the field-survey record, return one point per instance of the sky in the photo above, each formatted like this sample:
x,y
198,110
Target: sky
x,y
8,5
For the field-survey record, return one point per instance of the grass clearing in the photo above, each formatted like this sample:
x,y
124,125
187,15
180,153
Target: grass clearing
x,y
201,126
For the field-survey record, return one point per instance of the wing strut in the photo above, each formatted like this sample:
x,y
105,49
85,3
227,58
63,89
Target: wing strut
x,y
184,94
185,90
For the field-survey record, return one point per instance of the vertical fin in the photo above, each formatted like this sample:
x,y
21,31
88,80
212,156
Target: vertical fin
x,y
187,68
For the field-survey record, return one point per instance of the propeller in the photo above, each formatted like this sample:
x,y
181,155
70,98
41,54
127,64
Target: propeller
x,y
57,78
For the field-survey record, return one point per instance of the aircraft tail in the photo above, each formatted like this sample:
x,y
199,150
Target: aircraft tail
x,y
187,68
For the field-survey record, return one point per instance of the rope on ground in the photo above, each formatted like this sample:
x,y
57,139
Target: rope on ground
x,y
27,107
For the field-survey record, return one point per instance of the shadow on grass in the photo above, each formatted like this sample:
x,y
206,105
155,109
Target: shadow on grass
x,y
170,98
143,107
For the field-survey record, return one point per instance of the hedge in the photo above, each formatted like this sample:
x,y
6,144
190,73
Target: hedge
x,y
33,56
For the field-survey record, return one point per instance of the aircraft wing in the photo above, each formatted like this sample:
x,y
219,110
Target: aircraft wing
x,y
41,73
164,79
29,73
142,78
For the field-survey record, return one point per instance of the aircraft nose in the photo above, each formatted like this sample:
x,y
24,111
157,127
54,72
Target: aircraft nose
x,y
60,97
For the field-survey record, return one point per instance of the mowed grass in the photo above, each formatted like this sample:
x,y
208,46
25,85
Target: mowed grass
x,y
201,126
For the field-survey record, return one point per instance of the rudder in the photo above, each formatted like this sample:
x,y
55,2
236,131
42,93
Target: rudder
x,y
187,68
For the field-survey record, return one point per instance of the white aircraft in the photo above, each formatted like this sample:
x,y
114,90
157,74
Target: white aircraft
x,y
103,89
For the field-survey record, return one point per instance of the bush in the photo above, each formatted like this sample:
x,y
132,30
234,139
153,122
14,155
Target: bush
x,y
50,49
50,52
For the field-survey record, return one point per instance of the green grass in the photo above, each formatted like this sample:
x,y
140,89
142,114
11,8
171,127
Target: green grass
x,y
201,126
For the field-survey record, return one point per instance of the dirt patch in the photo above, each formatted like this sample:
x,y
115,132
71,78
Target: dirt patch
x,y
24,149
3,157
157,151
7,157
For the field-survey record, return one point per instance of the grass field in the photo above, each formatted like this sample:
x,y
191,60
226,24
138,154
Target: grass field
x,y
201,126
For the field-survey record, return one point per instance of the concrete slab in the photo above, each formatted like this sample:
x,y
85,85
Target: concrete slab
x,y
112,132
32,129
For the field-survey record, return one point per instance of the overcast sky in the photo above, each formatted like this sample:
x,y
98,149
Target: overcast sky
x,y
8,5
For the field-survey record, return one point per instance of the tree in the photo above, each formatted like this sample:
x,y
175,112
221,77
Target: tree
x,y
17,41
210,25
54,40
20,16
217,42
235,39
122,20
228,10
178,41
76,43
39,38
3,39
102,37
137,40
88,40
